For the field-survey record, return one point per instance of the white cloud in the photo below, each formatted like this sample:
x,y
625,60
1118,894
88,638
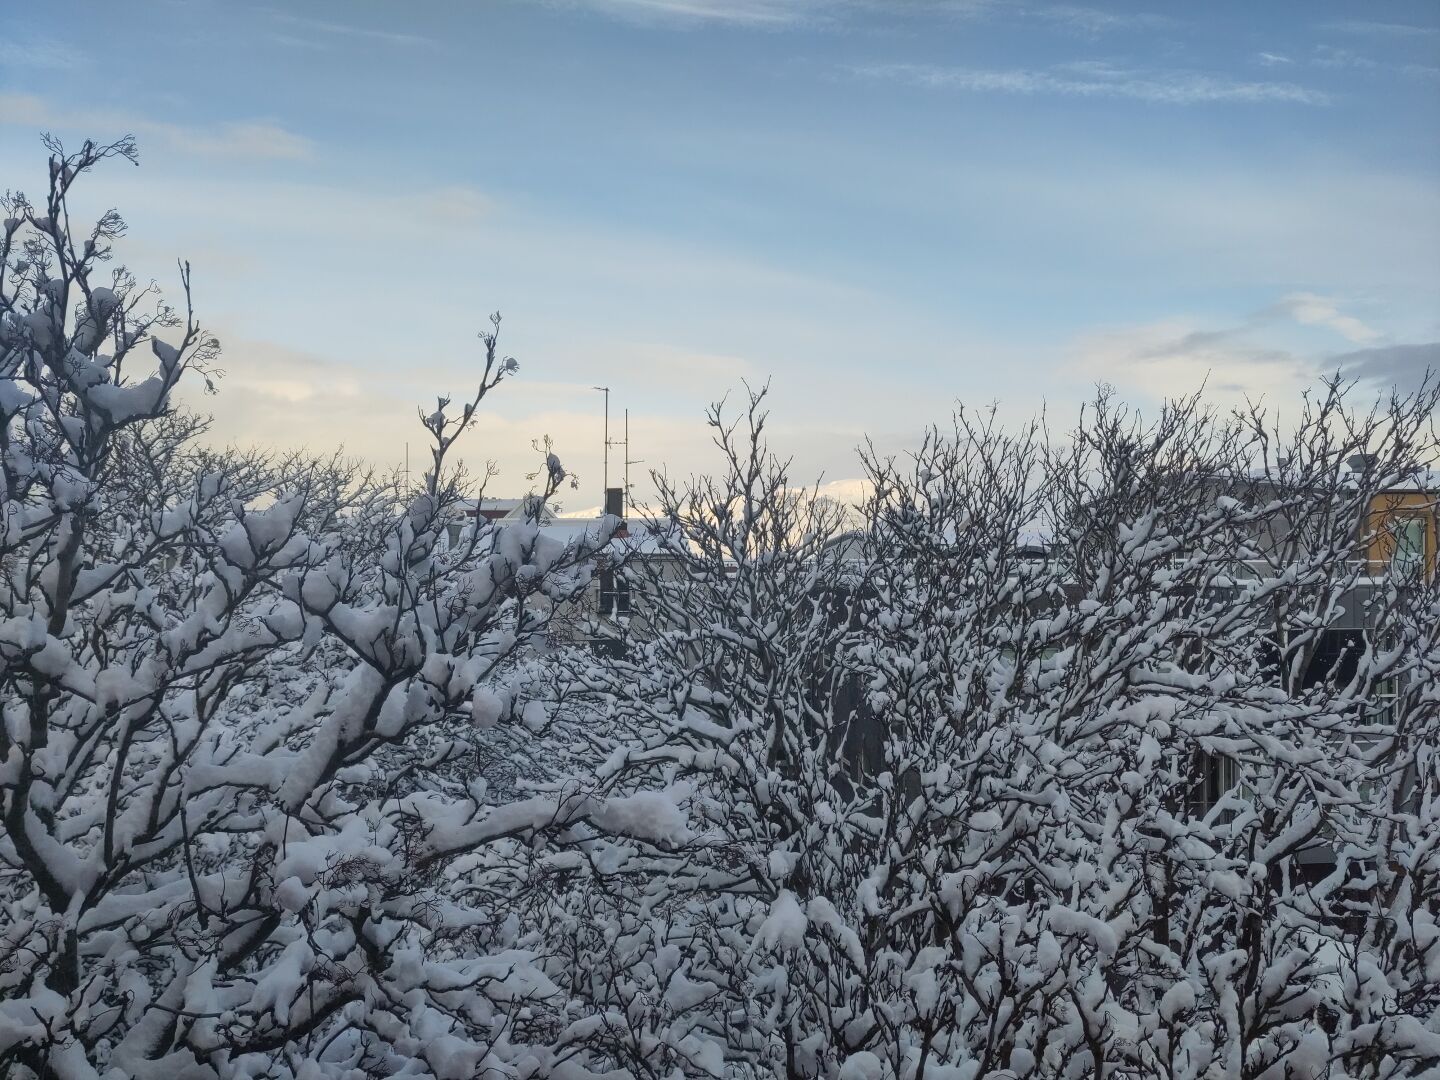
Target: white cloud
x,y
1173,357
252,139
1099,80
851,491
270,395
1312,310
1257,355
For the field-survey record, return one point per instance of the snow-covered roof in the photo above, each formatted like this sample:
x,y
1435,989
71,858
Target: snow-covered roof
x,y
1427,482
502,509
1036,536
566,529
646,538
634,537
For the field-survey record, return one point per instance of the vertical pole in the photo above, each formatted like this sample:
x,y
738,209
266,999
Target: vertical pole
x,y
605,475
625,502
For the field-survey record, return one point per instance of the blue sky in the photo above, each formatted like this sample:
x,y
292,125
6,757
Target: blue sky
x,y
885,206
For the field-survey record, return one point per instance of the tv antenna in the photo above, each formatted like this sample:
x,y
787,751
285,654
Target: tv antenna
x,y
628,459
608,442
605,474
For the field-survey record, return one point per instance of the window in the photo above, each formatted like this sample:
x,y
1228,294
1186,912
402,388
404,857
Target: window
x,y
1387,695
1336,658
614,594
1409,554
610,647
1214,776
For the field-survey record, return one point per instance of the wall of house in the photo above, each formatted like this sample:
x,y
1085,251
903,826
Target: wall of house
x,y
1385,510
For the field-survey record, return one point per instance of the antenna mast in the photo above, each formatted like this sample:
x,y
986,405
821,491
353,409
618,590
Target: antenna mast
x,y
628,459
606,467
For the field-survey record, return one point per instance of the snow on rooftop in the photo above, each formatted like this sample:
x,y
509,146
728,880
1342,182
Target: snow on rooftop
x,y
639,537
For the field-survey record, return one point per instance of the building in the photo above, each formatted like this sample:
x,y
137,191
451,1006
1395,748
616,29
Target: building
x,y
604,615
467,512
1404,531
612,609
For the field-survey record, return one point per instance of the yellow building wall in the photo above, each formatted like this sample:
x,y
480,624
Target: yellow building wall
x,y
1384,510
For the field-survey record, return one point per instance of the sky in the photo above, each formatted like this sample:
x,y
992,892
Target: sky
x,y
884,207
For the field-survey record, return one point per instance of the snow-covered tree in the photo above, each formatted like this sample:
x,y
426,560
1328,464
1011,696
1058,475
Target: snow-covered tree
x,y
242,834
967,809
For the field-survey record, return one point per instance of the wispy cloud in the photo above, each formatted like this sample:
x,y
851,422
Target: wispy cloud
x,y
1075,18
306,30
44,54
1328,56
253,139
1402,49
749,13
1252,356
1309,309
1094,21
1174,356
1336,59
1369,28
1096,79
243,140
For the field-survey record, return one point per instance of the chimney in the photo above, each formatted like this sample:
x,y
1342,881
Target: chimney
x,y
615,502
